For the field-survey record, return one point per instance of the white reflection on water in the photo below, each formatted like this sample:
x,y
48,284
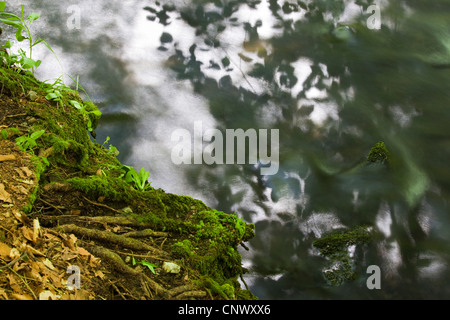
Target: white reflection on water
x,y
384,219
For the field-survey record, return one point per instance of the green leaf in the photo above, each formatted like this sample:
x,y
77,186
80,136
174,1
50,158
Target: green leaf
x,y
2,5
37,42
143,175
28,63
131,176
96,112
35,135
21,139
51,96
12,22
8,44
19,36
33,16
149,265
76,104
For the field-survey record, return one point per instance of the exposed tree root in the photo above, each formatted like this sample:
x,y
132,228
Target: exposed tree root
x,y
112,258
113,238
145,233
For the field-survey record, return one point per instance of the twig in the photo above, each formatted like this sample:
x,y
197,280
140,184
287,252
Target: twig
x,y
21,277
51,205
6,229
145,233
141,255
117,289
245,283
102,205
10,264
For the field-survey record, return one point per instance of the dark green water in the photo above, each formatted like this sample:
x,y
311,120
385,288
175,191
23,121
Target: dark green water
x,y
332,86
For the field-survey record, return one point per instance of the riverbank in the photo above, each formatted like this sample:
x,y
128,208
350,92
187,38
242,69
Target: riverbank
x,y
78,224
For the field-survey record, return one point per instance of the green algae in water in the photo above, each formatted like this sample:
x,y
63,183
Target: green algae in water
x,y
379,153
336,248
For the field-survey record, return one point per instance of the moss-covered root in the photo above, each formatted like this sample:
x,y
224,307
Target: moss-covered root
x,y
152,288
111,237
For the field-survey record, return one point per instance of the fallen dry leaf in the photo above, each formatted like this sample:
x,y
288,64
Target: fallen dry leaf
x,y
7,157
21,217
94,261
68,254
4,250
4,196
48,264
14,253
36,229
71,242
3,294
28,233
27,171
33,271
20,189
83,251
99,274
13,282
34,251
48,295
21,296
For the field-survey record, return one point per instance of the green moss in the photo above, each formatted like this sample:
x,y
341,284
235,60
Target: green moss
x,y
93,113
183,248
339,241
112,188
228,291
16,83
341,271
218,225
379,153
335,247
9,133
180,205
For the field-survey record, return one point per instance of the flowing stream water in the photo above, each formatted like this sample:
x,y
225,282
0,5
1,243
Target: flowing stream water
x,y
324,75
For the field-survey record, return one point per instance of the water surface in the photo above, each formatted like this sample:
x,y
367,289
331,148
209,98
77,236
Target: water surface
x,y
316,72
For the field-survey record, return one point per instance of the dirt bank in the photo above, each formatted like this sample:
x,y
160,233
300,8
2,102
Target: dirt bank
x,y
73,225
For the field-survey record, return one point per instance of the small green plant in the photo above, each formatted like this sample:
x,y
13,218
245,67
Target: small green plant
x,y
149,265
112,150
55,95
29,142
21,24
140,180
86,113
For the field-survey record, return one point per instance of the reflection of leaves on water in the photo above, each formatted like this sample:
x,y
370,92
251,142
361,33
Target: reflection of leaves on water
x,y
162,15
368,78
